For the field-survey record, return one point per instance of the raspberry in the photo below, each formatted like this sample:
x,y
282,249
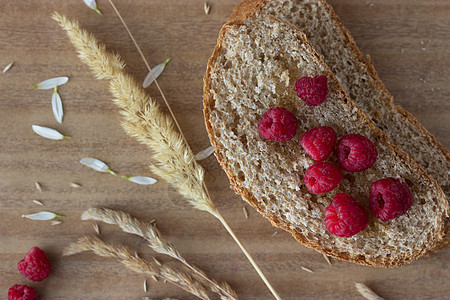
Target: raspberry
x,y
35,265
319,142
356,153
344,217
278,124
21,292
313,91
322,177
389,198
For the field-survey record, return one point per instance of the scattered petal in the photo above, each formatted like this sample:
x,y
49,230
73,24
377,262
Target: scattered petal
x,y
245,212
156,71
75,185
275,233
8,67
38,202
207,7
327,259
155,278
42,216
49,133
38,186
57,222
204,153
306,269
57,106
145,285
144,180
97,165
366,292
96,228
50,83
92,5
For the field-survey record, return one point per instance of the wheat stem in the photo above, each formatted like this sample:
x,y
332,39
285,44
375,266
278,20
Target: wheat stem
x,y
249,257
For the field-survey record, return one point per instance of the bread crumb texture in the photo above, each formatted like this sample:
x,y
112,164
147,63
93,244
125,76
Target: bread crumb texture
x,y
254,67
359,78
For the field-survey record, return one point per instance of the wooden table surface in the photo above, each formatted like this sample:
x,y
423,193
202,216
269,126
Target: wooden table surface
x,y
408,41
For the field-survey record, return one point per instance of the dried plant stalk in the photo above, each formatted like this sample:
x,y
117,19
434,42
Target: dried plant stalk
x,y
144,120
137,264
148,231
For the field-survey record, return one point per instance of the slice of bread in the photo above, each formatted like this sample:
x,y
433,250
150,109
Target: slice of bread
x,y
254,67
359,78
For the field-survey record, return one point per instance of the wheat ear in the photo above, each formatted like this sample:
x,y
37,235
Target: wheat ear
x,y
144,120
149,232
137,264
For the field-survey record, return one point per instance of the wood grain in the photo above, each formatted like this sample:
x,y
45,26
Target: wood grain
x,y
408,42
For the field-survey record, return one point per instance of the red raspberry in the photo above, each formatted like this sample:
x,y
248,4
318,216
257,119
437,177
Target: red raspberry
x,y
35,265
319,142
322,177
345,217
21,292
356,153
313,91
389,198
278,124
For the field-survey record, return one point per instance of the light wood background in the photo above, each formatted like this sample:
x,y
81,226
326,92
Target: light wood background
x,y
408,41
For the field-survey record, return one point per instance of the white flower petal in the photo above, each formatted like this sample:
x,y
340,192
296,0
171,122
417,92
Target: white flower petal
x,y
50,83
8,67
144,180
57,106
49,133
42,216
156,72
92,5
95,164
204,153
207,7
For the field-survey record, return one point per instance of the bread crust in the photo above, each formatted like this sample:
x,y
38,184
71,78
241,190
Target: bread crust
x,y
248,8
380,136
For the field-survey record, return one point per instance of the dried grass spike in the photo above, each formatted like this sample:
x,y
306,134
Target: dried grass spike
x,y
139,265
104,64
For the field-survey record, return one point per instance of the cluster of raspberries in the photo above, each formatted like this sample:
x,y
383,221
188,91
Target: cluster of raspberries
x,y
36,267
389,198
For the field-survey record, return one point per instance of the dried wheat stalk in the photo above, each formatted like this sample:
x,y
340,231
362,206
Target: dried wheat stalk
x,y
137,264
148,231
144,120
